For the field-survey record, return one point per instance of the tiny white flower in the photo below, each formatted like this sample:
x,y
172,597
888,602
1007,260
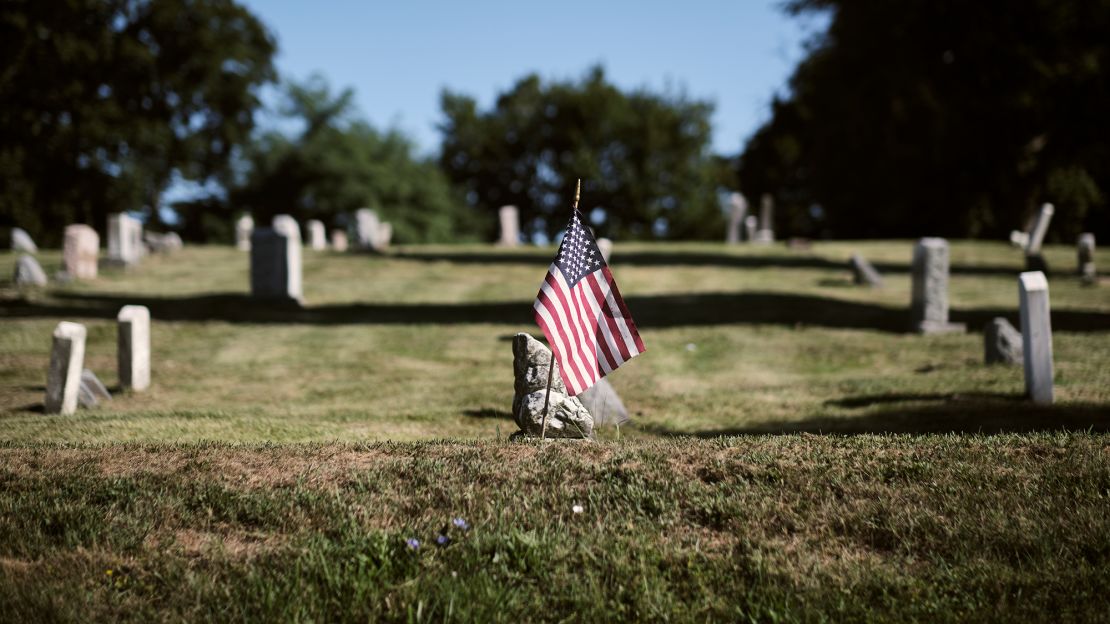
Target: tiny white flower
x,y
577,509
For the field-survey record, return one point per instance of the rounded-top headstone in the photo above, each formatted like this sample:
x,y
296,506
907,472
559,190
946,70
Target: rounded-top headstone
x,y
21,241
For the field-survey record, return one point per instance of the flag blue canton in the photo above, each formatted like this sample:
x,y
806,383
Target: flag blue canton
x,y
578,254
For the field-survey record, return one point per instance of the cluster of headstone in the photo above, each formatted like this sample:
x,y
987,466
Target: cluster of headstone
x,y
756,230
371,233
69,384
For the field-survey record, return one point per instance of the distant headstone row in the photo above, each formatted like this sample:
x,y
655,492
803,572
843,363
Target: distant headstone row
x,y
368,232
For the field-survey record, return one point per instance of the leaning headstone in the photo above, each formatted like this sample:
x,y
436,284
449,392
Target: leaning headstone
x,y
1001,342
79,252
21,241
67,358
751,226
1036,335
604,404
133,347
567,417
509,218
125,239
864,273
929,305
162,243
738,209
243,228
275,265
1034,261
365,229
317,236
766,232
92,392
28,272
605,246
1086,252
339,240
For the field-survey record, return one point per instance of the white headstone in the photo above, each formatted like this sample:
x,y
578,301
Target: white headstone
x,y
339,240
509,218
1040,227
929,305
1036,336
365,229
243,228
751,226
21,241
67,358
738,209
1086,252
133,347
766,232
605,246
125,239
287,225
275,264
80,251
317,236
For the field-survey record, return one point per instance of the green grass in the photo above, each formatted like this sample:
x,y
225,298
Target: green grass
x,y
282,456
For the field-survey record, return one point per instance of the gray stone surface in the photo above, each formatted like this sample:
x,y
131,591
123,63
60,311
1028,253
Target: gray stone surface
x,y
1040,228
365,229
28,272
929,303
244,226
567,416
863,272
125,239
287,225
1085,250
605,246
603,403
1036,335
766,232
1019,239
317,235
21,241
751,226
133,347
80,252
275,265
509,219
92,392
339,240
67,358
162,243
737,210
1001,342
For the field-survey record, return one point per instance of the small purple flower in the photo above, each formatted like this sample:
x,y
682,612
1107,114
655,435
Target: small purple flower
x,y
413,543
460,524
443,540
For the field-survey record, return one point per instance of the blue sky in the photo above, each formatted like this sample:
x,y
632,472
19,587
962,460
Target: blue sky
x,y
398,56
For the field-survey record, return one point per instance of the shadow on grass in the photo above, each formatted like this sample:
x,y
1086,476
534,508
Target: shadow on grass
x,y
983,413
488,413
650,311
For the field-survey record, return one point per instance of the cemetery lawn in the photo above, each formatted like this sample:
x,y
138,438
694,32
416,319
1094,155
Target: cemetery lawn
x,y
794,454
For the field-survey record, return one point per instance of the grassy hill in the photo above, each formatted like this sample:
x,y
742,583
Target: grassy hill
x,y
283,456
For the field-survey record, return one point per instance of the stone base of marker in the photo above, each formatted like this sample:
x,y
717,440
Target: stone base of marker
x,y
567,417
28,272
67,359
1001,343
863,272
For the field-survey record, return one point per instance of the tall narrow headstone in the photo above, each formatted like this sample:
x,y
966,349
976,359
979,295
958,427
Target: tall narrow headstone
x,y
1086,252
67,358
365,229
1034,261
751,226
738,209
317,236
605,246
275,265
21,241
929,306
243,228
1036,336
287,225
79,252
125,239
766,232
339,240
509,218
133,347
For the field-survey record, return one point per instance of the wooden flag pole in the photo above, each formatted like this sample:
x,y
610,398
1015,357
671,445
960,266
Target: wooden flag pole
x,y
551,367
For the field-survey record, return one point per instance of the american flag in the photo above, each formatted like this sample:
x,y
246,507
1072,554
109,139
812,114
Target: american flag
x,y
582,314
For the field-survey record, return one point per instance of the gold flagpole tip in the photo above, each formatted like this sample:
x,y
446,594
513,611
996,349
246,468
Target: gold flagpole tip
x,y
577,193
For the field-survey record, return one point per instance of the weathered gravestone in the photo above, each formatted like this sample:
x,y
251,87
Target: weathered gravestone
x,y
79,252
125,239
766,232
339,240
509,218
567,417
63,379
605,246
317,236
370,232
863,272
738,209
1001,342
133,347
92,391
21,241
28,272
275,265
603,403
929,305
288,226
243,228
163,243
751,226
1036,335
1034,261
1086,253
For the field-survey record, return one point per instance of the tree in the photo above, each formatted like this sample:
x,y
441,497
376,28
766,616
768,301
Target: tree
x,y
105,100
643,158
943,117
337,163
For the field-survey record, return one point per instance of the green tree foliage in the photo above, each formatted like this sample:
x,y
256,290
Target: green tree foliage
x,y
105,100
943,117
337,163
643,158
